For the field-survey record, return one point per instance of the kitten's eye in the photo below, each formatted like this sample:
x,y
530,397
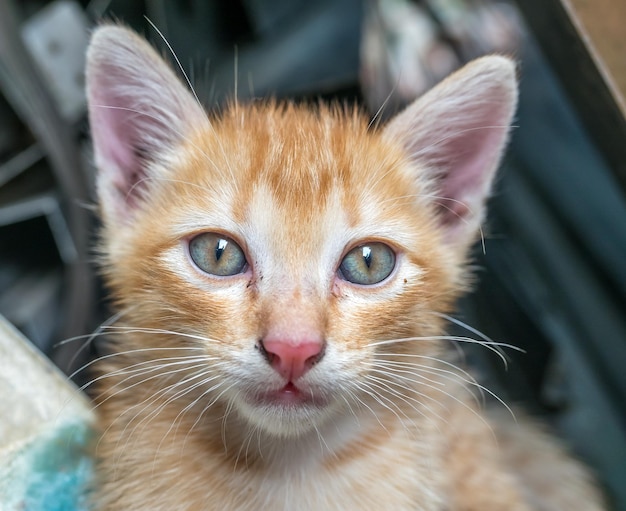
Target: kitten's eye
x,y
217,255
368,264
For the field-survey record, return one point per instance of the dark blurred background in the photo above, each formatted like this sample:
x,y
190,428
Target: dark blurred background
x,y
552,275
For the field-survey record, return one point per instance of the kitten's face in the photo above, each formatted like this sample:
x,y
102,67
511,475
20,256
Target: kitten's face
x,y
293,199
292,249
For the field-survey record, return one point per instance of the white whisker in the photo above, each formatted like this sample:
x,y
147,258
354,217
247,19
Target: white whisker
x,y
157,411
367,388
157,376
169,47
131,330
470,380
178,419
359,402
130,352
489,344
410,401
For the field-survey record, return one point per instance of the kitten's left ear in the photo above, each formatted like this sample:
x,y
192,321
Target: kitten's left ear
x,y
456,134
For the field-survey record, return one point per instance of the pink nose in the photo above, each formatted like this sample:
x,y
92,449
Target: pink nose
x,y
292,361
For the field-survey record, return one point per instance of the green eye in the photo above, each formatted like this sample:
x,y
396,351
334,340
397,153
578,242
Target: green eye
x,y
368,264
217,255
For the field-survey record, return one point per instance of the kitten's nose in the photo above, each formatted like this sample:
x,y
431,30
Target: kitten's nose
x,y
292,360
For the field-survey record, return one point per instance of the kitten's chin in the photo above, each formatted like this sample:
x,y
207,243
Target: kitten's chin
x,y
285,412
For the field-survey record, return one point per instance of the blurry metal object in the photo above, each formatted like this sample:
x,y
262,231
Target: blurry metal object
x,y
45,205
31,301
407,46
19,163
57,38
401,54
97,8
478,27
9,129
27,92
260,48
585,44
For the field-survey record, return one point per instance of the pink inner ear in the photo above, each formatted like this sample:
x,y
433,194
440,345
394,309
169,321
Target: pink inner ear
x,y
117,126
468,171
115,146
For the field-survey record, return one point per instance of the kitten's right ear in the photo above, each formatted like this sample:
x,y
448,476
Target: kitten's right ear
x,y
456,134
138,108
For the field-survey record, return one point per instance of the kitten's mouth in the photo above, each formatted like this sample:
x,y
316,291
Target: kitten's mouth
x,y
291,395
290,388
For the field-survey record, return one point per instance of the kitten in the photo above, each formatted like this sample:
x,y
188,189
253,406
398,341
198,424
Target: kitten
x,y
282,275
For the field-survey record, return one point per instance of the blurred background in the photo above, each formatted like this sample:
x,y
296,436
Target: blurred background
x,y
552,275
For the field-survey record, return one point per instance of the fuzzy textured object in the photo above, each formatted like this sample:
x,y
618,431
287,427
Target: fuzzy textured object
x,y
45,431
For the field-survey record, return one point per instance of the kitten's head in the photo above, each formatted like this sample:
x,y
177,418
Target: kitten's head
x,y
292,248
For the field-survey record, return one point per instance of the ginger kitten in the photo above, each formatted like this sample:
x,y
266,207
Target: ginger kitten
x,y
282,276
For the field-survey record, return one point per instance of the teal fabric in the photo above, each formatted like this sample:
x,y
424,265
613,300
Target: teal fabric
x,y
54,472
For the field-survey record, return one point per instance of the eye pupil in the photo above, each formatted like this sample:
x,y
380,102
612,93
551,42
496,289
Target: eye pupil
x,y
219,248
367,256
